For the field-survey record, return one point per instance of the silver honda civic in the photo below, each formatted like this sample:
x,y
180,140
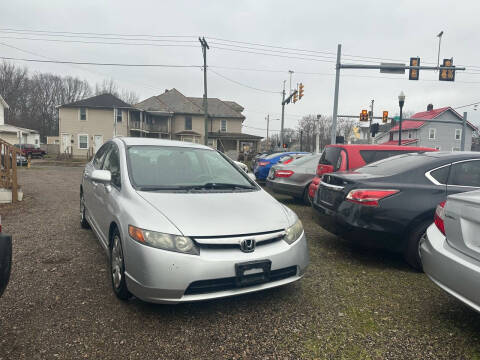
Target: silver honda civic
x,y
181,222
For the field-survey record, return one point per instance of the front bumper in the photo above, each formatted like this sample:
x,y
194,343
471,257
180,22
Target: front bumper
x,y
160,276
455,272
287,189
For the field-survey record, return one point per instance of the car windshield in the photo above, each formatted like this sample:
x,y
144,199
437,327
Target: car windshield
x,y
181,168
396,164
305,159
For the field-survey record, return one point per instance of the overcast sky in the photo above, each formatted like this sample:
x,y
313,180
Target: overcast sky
x,y
374,29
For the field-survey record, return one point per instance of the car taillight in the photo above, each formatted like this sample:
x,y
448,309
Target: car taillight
x,y
369,197
262,163
283,173
439,217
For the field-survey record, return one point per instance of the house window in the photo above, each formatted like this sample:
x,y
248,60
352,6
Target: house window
x,y
432,133
36,141
188,123
83,141
223,125
409,134
83,114
458,134
118,115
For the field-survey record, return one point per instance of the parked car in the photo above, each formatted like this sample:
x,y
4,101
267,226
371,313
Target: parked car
x,y
293,178
5,260
450,249
264,164
341,157
21,160
391,202
260,156
30,150
180,222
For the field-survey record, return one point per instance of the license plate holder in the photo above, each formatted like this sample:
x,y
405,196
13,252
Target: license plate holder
x,y
241,279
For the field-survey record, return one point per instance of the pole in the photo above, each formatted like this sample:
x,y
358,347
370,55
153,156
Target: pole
x,y
400,126
283,115
370,123
464,130
439,43
205,46
290,72
268,124
301,140
114,122
333,138
317,138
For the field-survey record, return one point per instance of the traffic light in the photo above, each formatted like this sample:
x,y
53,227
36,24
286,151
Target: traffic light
x,y
374,129
285,146
300,91
385,117
364,115
413,74
446,74
295,98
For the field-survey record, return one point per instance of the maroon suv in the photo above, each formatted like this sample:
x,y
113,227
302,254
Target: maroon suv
x,y
30,150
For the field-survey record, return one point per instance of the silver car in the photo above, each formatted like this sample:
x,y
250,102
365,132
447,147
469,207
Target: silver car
x,y
180,222
294,178
450,249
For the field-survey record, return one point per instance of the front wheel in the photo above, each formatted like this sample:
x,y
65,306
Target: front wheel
x,y
83,220
117,268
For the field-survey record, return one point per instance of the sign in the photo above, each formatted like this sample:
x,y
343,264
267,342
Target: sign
x,y
392,68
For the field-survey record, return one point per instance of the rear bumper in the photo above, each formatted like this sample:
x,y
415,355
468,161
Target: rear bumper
x,y
287,189
359,228
261,172
453,271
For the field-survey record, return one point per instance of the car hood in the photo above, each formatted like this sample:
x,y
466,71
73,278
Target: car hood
x,y
220,213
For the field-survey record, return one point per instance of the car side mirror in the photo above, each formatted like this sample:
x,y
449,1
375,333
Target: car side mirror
x,y
101,176
5,260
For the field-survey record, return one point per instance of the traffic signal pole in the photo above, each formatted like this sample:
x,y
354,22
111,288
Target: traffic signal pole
x,y
283,115
333,138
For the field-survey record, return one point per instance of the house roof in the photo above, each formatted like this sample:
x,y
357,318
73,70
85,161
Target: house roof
x,y
404,142
233,136
174,101
14,129
4,103
100,101
425,116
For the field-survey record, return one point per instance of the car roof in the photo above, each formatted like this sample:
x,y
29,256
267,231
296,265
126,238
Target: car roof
x,y
132,141
381,147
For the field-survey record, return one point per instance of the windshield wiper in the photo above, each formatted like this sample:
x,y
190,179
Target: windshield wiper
x,y
212,185
159,188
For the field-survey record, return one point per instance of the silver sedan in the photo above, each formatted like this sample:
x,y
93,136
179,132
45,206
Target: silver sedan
x,y
180,222
450,249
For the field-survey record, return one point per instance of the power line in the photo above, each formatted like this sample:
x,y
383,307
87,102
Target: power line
x,y
101,64
244,85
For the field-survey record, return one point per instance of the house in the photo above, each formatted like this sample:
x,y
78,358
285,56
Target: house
x,y
84,125
14,134
435,128
173,115
360,133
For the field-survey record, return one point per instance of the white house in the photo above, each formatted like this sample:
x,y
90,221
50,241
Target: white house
x,y
14,134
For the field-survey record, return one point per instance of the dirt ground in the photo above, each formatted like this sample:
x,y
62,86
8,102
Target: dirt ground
x,y
353,303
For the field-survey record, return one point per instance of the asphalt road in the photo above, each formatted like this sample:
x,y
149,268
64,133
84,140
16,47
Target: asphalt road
x,y
353,303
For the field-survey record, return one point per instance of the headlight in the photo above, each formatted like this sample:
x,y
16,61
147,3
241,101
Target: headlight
x,y
164,241
294,232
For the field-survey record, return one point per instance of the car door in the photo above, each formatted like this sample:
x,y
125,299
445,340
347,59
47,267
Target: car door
x,y
106,194
464,176
89,186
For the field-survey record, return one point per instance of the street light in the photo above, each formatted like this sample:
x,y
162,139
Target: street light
x,y
401,101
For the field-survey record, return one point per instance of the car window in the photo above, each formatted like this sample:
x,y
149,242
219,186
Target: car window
x,y
441,175
112,164
330,156
271,156
466,173
100,155
305,160
173,167
396,164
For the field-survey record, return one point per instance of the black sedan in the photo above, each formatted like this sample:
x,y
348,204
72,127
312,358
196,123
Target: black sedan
x,y
390,203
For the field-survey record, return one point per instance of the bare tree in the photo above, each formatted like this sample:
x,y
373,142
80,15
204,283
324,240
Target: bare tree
x,y
110,87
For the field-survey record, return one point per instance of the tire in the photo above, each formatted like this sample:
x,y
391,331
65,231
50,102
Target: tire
x,y
306,198
83,220
412,250
117,268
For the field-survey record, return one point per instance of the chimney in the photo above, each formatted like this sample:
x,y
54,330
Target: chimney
x,y
166,90
429,107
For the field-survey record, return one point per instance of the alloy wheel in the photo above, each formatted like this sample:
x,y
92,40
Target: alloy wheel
x,y
117,262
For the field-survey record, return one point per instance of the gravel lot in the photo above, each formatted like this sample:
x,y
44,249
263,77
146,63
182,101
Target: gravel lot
x,y
352,303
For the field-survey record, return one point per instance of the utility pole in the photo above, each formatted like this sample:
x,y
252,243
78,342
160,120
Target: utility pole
x,y
205,46
464,130
333,138
370,122
301,140
268,123
283,115
317,139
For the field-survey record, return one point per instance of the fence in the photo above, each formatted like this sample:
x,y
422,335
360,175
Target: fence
x,y
8,170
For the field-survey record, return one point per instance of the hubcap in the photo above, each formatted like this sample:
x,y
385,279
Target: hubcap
x,y
117,262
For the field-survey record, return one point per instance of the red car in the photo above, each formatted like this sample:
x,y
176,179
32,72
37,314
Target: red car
x,y
341,157
30,150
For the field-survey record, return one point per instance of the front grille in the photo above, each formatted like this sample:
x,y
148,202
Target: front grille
x,y
214,285
237,246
